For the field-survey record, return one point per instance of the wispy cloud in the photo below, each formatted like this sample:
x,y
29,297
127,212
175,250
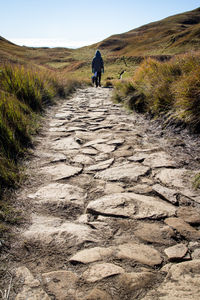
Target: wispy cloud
x,y
39,42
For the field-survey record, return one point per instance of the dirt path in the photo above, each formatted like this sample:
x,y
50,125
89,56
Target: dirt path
x,y
112,211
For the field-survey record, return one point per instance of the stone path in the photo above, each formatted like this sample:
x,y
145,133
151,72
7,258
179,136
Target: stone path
x,y
112,211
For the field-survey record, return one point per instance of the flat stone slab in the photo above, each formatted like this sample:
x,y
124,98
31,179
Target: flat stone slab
x,y
89,151
95,142
158,160
128,172
118,205
57,129
83,159
57,157
133,281
61,284
63,116
31,286
113,188
155,233
60,171
66,143
100,166
72,129
138,157
59,193
179,178
176,252
183,228
100,271
91,255
97,294
122,153
48,230
131,205
181,282
139,252
95,128
189,214
57,123
117,142
168,194
104,148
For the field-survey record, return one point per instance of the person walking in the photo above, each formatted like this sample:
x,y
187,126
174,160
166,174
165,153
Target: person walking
x,y
97,68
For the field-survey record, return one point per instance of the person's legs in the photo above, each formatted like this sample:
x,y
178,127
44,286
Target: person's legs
x,y
99,78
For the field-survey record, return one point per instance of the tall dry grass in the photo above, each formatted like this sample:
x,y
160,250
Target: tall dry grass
x,y
171,87
24,94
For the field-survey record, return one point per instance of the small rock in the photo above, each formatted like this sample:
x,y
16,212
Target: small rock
x,y
100,271
141,253
176,252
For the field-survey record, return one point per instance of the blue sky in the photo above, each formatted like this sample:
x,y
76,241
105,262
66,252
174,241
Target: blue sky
x,y
74,23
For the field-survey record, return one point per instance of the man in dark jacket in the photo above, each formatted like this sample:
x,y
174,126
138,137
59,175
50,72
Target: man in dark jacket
x,y
97,67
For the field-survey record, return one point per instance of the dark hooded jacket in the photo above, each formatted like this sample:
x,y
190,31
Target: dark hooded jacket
x,y
97,63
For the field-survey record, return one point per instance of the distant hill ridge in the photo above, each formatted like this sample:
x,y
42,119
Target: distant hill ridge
x,y
175,34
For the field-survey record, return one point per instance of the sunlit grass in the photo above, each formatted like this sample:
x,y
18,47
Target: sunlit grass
x,y
171,87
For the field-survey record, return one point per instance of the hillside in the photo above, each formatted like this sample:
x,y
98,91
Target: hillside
x,y
122,52
175,34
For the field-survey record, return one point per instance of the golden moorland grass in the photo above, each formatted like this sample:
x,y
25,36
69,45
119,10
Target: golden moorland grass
x,y
24,94
171,87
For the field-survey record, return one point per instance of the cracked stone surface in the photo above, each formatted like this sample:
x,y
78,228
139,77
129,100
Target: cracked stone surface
x,y
176,252
100,271
131,205
127,172
110,210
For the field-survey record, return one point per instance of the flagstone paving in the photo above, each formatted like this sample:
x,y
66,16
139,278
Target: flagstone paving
x,y
111,211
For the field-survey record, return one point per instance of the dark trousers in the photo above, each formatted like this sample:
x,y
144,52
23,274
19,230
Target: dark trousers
x,y
98,79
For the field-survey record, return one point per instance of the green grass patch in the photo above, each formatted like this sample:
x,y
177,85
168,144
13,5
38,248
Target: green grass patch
x,y
196,182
